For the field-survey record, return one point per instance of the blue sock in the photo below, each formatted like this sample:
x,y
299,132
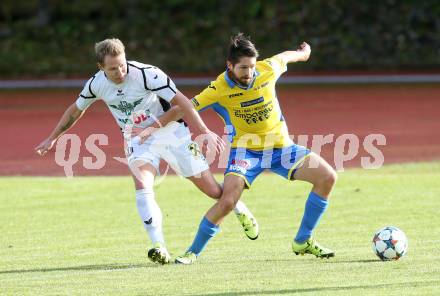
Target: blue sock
x,y
207,230
315,207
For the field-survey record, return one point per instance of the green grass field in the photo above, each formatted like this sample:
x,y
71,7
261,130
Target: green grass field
x,y
82,236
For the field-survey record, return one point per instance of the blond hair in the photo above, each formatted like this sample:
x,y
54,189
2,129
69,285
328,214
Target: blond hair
x,y
112,47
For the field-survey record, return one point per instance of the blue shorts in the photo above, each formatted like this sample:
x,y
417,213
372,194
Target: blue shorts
x,y
248,164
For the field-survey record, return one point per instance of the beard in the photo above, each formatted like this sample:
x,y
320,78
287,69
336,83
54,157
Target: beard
x,y
243,81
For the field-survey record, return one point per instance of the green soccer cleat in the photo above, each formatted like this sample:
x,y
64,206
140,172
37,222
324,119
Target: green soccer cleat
x,y
311,246
250,225
187,258
159,254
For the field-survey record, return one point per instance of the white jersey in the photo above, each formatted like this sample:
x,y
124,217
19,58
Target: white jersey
x,y
144,95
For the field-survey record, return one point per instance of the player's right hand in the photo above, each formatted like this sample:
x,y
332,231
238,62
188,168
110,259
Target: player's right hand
x,y
146,133
45,146
143,133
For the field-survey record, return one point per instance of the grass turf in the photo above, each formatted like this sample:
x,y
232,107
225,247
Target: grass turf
x,y
82,236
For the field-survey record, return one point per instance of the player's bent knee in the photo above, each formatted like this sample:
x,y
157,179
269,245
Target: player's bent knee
x,y
226,205
327,181
332,178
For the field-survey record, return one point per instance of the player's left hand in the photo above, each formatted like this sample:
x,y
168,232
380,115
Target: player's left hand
x,y
305,49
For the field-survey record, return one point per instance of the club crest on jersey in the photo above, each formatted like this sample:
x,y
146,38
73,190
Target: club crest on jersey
x,y
126,107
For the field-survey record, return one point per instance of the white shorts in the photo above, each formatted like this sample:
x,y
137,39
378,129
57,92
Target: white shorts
x,y
171,143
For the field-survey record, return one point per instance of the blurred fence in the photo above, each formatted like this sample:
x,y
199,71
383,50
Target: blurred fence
x,y
203,81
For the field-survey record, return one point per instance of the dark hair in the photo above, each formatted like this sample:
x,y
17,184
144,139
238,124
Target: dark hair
x,y
241,46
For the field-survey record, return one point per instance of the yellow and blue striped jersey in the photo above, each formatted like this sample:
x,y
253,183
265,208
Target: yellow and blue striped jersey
x,y
252,116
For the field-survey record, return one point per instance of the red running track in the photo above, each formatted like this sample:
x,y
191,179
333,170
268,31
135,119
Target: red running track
x,y
407,115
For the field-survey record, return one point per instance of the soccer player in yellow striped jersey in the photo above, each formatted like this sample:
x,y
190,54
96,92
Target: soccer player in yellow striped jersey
x,y
251,111
244,96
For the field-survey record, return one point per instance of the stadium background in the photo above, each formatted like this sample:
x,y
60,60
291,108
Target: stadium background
x,y
44,39
374,69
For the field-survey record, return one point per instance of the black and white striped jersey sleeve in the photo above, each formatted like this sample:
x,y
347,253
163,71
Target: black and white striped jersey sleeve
x,y
159,83
87,95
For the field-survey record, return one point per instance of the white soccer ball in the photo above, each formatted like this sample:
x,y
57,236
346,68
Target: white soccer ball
x,y
390,243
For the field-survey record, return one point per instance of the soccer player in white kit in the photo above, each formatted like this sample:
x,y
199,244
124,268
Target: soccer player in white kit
x,y
139,96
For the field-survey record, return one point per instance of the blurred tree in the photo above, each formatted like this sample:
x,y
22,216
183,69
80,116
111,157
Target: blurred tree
x,y
56,38
43,15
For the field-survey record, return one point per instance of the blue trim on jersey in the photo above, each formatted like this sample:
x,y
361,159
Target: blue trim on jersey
x,y
223,112
229,80
250,163
206,107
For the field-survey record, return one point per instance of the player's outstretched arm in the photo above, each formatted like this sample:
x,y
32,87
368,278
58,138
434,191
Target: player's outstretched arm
x,y
195,120
69,118
302,54
182,106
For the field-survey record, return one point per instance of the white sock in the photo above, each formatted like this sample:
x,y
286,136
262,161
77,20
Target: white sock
x,y
150,214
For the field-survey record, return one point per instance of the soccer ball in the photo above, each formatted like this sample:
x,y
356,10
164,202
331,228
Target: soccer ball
x,y
390,243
